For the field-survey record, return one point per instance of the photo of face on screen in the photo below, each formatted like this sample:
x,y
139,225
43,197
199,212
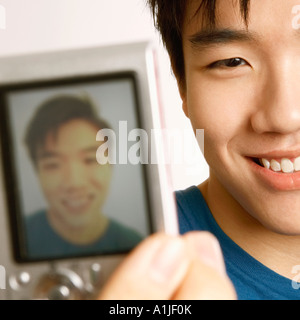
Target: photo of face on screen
x,y
71,203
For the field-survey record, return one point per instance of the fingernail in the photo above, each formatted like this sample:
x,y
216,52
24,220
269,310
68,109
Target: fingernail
x,y
167,260
209,252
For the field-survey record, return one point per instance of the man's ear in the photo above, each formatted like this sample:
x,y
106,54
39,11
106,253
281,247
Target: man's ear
x,y
182,92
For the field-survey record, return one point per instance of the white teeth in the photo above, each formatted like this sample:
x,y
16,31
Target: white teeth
x,y
297,164
286,165
275,165
75,203
266,163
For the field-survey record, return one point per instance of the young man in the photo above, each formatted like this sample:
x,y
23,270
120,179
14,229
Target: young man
x,y
237,67
60,139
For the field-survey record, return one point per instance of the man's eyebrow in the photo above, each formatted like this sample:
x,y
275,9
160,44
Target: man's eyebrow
x,y
52,154
90,149
207,38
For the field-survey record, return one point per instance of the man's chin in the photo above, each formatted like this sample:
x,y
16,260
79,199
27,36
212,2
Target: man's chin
x,y
282,224
70,218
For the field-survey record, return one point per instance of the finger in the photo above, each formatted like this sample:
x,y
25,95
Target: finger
x,y
206,278
206,247
204,283
153,270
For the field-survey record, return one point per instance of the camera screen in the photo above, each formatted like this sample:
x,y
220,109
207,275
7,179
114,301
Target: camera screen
x,y
75,182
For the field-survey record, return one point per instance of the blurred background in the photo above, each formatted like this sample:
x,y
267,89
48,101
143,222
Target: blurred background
x,y
48,25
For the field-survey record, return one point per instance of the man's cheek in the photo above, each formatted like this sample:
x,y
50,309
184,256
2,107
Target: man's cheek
x,y
101,177
50,183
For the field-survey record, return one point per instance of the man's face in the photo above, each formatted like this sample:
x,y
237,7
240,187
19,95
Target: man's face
x,y
243,88
74,184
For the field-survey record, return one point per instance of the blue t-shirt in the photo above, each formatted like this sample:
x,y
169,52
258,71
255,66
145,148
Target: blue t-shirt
x,y
44,243
252,280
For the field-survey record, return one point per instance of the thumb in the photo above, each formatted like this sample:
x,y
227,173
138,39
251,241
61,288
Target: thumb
x,y
152,271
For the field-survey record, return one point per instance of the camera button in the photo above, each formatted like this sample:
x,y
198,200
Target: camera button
x,y
95,274
59,292
20,280
60,284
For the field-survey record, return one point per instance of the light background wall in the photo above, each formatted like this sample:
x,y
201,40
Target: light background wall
x,y
49,25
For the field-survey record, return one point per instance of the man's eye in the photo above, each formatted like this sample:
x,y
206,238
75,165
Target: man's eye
x,y
228,63
90,160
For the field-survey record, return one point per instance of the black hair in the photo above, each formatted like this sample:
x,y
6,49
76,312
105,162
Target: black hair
x,y
209,10
169,17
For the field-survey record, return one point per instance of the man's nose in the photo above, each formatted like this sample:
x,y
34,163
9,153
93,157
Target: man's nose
x,y
74,175
278,110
